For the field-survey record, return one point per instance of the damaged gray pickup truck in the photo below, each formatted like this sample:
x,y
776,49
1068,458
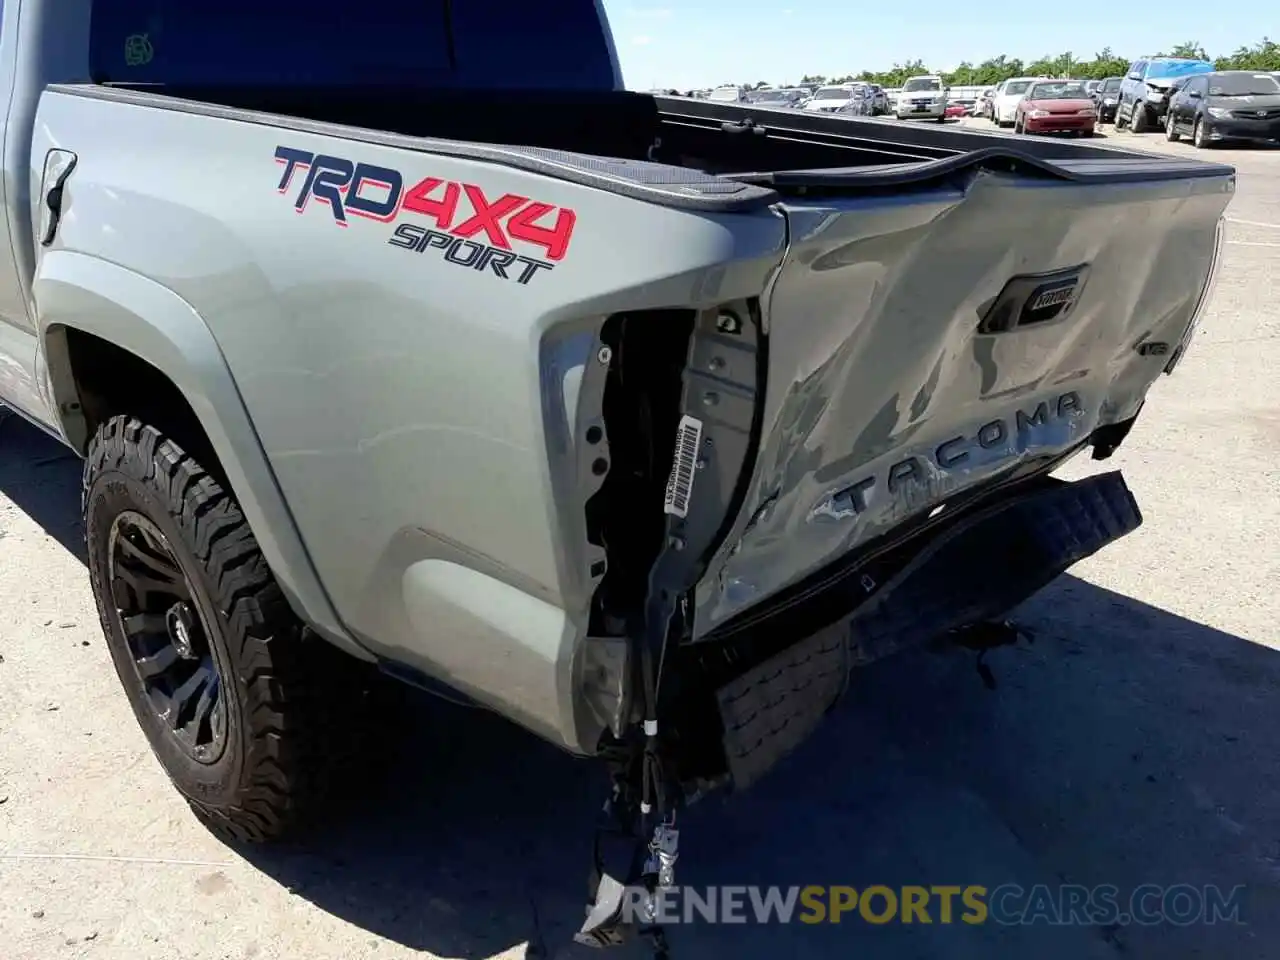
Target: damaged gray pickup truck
x,y
640,421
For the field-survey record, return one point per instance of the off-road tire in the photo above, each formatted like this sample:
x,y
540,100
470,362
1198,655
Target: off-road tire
x,y
292,701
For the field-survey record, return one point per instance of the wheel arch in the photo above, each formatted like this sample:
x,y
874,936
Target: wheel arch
x,y
97,317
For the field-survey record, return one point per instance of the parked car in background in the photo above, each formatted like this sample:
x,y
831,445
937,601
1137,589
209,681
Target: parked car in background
x,y
1106,97
923,98
1093,86
787,97
957,110
1241,105
879,100
861,101
727,95
983,107
830,99
1144,92
1056,106
1008,93
1157,110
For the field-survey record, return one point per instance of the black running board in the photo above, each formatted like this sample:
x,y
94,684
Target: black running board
x,y
977,570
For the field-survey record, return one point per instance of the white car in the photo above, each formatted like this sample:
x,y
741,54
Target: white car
x,y
831,99
727,95
923,98
1004,107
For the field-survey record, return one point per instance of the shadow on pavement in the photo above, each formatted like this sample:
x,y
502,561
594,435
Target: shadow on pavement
x,y
42,477
1127,745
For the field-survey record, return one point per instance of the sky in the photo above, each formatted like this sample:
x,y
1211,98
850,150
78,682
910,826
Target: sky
x,y
702,43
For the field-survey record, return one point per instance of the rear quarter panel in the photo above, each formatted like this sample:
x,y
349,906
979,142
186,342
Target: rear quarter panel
x,y
415,412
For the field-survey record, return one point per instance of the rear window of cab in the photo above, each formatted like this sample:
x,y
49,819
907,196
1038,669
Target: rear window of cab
x,y
415,44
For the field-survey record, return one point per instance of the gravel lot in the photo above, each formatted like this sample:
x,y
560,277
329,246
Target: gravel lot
x,y
1135,741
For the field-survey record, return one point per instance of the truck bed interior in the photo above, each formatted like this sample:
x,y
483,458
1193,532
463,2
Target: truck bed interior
x,y
718,138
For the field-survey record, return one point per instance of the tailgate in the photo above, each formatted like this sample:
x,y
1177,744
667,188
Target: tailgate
x,y
922,343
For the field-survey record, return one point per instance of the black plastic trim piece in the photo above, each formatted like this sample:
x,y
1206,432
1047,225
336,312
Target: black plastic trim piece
x,y
1088,170
1034,299
985,567
940,149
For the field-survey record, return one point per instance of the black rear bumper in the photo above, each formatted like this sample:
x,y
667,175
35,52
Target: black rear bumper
x,y
978,569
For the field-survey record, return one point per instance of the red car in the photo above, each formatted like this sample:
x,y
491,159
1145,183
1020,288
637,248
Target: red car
x,y
955,110
1056,106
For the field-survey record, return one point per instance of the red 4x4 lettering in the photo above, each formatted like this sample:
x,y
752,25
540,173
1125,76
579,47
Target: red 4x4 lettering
x,y
521,214
487,215
555,240
418,200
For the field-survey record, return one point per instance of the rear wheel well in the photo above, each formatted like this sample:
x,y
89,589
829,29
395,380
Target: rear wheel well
x,y
109,380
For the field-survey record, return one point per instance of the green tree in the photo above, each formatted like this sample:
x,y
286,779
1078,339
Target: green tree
x,y
1104,64
1189,51
1264,55
1261,56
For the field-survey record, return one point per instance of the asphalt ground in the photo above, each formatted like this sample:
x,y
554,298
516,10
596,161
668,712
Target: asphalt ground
x,y
1135,742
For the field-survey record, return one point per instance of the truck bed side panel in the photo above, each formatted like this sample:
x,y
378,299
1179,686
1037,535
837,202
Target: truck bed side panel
x,y
406,400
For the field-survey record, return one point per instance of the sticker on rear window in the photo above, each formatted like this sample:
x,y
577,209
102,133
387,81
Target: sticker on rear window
x,y
680,483
138,50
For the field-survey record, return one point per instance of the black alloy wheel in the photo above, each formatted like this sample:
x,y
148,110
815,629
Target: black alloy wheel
x,y
167,633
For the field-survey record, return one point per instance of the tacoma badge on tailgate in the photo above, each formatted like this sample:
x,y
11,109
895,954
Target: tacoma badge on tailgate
x,y
377,193
1005,435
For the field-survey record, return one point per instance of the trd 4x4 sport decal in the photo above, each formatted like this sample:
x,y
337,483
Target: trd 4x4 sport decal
x,y
463,226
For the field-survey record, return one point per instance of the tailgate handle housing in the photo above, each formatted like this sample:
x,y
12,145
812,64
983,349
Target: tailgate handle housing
x,y
1034,299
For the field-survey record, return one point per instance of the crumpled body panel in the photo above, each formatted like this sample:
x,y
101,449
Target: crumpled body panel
x,y
886,395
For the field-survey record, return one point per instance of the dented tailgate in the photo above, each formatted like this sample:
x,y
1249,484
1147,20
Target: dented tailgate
x,y
922,343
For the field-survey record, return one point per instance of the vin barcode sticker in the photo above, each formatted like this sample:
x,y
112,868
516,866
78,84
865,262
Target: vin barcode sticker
x,y
680,483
